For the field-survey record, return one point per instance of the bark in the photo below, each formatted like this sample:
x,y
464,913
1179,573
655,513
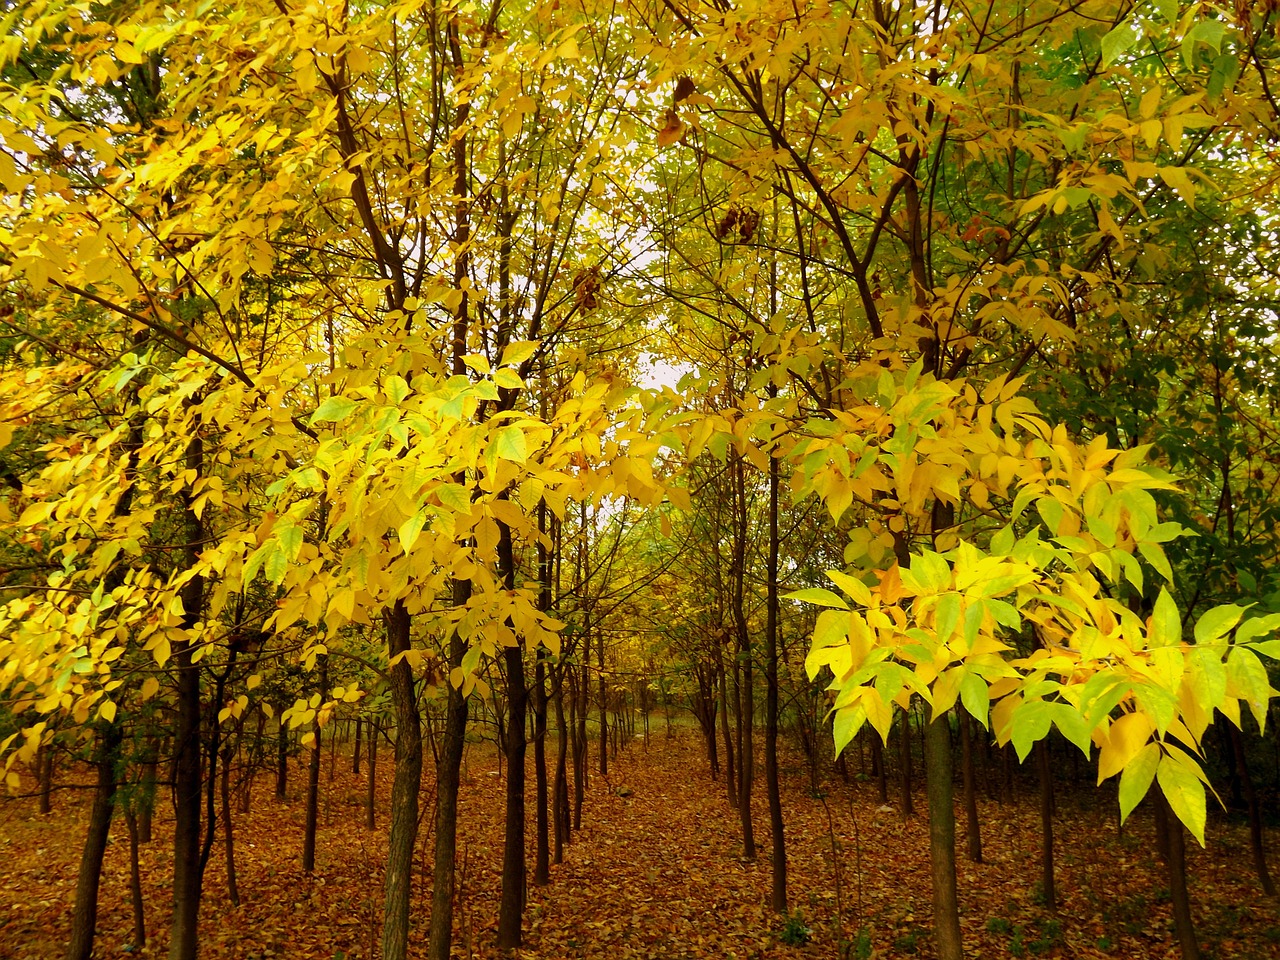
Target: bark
x,y
542,851
228,839
942,840
84,913
746,688
778,857
1176,866
1255,812
355,753
282,760
448,777
882,775
560,787
904,765
44,765
1048,889
730,770
371,772
135,883
406,785
972,829
313,803
511,905
187,875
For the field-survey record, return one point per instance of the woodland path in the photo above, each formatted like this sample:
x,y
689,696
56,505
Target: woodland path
x,y
654,875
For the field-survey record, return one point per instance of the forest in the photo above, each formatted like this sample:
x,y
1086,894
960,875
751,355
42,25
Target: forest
x,y
639,478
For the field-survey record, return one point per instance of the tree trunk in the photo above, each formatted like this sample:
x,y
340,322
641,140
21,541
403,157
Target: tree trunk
x,y
1048,889
84,913
560,789
877,761
187,876
970,791
135,883
355,752
904,764
542,851
448,777
1174,846
313,803
730,770
511,906
228,840
1255,812
603,693
282,760
778,857
407,782
371,773
44,769
942,839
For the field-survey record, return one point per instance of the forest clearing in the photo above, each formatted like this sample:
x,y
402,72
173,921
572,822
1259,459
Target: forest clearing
x,y
657,874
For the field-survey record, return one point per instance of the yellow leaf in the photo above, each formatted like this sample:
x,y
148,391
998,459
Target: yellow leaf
x,y
107,711
149,688
1126,737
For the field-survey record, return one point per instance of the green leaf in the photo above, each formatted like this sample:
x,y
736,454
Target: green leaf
x,y
333,410
1117,41
1136,777
819,595
1217,622
510,444
847,724
1185,793
1208,32
1166,622
411,529
932,571
976,696
1248,676
852,586
947,616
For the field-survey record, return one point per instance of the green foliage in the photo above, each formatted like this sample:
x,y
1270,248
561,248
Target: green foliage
x,y
795,932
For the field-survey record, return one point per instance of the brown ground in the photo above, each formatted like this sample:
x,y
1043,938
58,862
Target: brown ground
x,y
656,874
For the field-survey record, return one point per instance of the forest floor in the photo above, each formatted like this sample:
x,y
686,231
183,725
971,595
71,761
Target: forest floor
x,y
656,873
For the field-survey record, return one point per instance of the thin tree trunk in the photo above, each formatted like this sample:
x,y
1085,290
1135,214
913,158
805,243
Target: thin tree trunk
x,y
406,785
942,839
228,840
1255,812
730,770
970,791
282,761
877,761
135,883
355,752
448,778
542,851
904,765
44,768
371,773
313,803
84,913
511,905
778,857
560,788
1174,845
1048,888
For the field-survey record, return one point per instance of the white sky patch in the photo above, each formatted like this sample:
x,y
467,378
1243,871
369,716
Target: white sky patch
x,y
656,372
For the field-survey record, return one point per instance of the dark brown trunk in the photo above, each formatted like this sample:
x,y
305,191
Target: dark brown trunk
x,y
135,883
904,764
560,786
355,752
1255,812
778,855
448,778
882,775
371,773
44,767
187,876
313,803
84,912
730,768
542,845
942,839
602,689
970,792
1048,888
406,784
1173,842
228,839
511,906
282,761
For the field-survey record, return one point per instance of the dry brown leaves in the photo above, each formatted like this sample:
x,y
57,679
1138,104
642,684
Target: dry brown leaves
x,y
656,874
